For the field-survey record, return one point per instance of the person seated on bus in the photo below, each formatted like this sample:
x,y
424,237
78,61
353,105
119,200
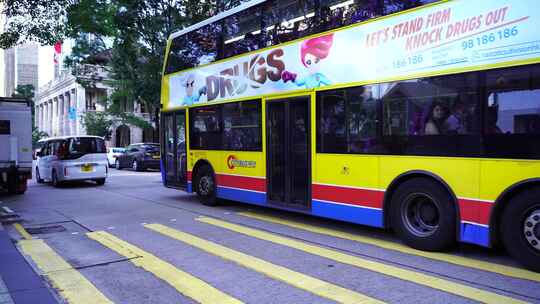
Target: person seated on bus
x,y
436,120
456,122
492,115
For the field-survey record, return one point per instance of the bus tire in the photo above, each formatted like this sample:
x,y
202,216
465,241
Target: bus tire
x,y
423,215
520,228
206,186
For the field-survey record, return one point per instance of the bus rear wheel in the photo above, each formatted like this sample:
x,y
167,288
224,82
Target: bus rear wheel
x,y
520,228
206,186
423,215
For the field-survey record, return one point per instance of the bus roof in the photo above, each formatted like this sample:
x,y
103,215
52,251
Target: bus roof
x,y
217,17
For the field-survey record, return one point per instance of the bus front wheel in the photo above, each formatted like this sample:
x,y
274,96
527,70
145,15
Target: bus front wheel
x,y
206,186
520,228
423,215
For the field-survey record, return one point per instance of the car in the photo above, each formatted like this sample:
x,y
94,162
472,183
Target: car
x,y
72,158
113,153
139,157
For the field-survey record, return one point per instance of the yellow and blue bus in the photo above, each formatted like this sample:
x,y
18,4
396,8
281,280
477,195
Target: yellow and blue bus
x,y
419,116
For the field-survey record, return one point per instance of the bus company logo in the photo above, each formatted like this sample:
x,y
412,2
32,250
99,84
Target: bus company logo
x,y
254,71
233,162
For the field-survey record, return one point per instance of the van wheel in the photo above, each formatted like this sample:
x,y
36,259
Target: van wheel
x,y
100,181
206,186
520,228
423,215
54,180
39,180
117,164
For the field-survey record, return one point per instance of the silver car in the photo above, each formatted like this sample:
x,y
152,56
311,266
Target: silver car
x,y
72,158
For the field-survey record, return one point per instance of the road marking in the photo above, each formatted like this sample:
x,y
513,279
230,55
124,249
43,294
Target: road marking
x,y
296,279
71,285
173,220
444,257
22,231
110,227
400,273
185,283
7,209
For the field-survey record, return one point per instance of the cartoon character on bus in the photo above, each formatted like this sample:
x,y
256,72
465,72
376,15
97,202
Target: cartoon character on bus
x,y
312,52
191,96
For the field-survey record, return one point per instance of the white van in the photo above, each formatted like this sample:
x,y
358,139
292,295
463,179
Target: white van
x,y
72,158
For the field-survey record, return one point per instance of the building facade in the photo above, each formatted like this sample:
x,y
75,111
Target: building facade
x,y
20,67
61,104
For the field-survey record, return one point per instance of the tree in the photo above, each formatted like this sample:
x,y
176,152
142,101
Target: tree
x,y
97,123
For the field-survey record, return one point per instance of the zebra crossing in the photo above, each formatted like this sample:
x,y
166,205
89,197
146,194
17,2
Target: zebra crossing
x,y
361,279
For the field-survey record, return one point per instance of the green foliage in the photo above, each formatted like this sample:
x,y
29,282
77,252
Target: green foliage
x,y
37,135
24,91
37,20
97,123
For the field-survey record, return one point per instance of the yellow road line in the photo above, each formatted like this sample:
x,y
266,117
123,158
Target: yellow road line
x,y
22,231
185,283
444,257
71,285
296,279
400,273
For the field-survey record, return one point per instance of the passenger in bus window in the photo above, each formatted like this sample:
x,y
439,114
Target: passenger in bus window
x,y
312,52
436,120
457,121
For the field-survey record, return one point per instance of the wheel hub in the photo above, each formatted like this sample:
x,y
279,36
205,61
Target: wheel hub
x,y
531,228
420,215
205,184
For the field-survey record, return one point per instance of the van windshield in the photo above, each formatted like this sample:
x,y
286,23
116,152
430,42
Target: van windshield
x,y
80,146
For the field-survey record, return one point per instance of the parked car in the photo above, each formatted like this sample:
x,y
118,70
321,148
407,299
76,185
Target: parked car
x,y
139,157
113,153
72,158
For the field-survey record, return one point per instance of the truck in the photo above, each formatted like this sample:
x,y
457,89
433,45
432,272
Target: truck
x,y
15,144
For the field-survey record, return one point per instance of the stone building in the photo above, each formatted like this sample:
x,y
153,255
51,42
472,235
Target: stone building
x,y
61,103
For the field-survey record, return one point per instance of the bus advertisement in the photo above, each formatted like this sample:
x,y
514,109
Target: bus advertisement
x,y
424,120
438,39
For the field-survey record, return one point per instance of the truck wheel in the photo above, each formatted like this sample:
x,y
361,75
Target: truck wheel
x,y
206,186
55,182
11,184
423,215
520,228
21,187
39,180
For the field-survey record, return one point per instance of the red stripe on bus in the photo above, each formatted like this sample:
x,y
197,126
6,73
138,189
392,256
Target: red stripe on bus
x,y
352,196
189,175
242,182
475,211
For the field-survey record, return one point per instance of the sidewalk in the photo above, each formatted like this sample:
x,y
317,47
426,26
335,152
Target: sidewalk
x,y
19,283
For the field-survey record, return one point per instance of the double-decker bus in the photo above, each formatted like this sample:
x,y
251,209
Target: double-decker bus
x,y
415,116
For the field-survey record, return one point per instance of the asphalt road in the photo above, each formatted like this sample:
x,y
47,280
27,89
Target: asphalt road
x,y
134,241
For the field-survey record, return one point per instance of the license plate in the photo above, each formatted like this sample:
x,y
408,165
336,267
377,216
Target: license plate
x,y
86,168
155,157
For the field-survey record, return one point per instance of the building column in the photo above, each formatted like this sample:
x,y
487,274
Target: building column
x,y
49,118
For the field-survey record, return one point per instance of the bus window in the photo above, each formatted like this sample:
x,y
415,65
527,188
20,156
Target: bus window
x,y
347,120
205,132
288,20
394,6
512,112
242,126
242,32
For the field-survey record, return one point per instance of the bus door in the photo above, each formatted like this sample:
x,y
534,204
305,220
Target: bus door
x,y
174,148
288,152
